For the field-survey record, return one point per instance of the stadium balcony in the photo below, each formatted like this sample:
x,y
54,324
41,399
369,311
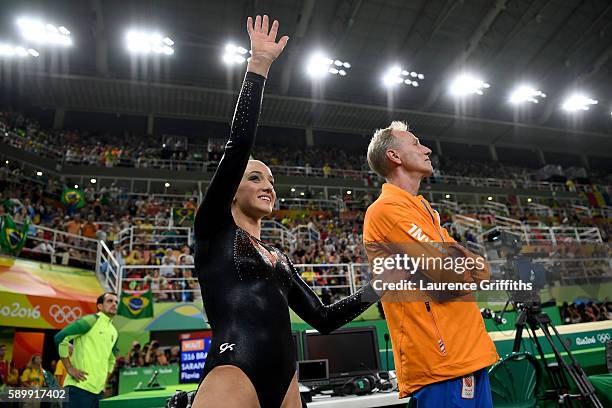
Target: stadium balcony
x,y
80,162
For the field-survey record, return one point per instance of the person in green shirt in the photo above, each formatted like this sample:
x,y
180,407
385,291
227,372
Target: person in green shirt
x,y
94,341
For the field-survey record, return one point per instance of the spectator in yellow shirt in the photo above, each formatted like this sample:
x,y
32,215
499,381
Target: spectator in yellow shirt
x,y
32,376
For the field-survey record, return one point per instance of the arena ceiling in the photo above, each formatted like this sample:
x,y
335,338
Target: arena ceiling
x,y
560,46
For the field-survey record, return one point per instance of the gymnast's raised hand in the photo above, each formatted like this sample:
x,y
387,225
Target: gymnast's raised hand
x,y
264,47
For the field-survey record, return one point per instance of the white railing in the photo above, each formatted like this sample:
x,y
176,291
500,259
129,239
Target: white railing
x,y
339,279
157,236
306,203
451,205
176,165
507,222
463,224
330,276
550,235
169,282
176,200
274,231
540,210
491,207
62,245
108,268
497,208
306,234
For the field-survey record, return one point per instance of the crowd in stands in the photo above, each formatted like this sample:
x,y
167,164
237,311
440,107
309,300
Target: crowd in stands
x,y
129,149
167,251
587,311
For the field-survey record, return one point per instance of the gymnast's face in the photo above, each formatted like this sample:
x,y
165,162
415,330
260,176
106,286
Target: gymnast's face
x,y
255,195
413,155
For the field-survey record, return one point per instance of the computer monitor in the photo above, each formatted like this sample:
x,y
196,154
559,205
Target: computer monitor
x,y
313,372
351,352
297,345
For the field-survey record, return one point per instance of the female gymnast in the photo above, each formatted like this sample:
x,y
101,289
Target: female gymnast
x,y
247,285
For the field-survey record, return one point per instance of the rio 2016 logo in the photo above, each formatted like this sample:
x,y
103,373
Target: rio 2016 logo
x,y
16,310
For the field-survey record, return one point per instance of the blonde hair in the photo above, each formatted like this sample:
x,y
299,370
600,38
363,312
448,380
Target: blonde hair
x,y
383,140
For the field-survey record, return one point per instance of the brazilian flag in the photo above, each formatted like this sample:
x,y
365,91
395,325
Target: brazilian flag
x,y
136,305
11,238
183,216
72,197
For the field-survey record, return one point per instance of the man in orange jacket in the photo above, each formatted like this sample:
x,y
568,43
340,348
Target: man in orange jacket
x,y
440,347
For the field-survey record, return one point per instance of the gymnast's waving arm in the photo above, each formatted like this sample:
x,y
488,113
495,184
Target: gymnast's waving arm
x,y
215,209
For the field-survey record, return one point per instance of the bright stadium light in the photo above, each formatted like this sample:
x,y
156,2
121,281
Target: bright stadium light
x,y
7,162
7,50
43,33
396,75
466,84
142,42
529,199
235,55
166,184
447,196
525,93
577,102
93,181
490,198
39,173
76,186
319,65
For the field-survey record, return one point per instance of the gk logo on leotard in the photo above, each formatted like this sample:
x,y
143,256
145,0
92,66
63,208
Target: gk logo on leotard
x,y
227,346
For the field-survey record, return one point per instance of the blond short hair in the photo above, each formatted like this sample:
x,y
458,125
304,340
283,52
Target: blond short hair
x,y
383,140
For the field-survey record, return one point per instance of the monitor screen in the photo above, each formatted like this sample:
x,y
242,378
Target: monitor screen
x,y
193,357
349,351
312,370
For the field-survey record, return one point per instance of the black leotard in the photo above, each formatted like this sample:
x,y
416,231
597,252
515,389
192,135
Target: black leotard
x,y
246,294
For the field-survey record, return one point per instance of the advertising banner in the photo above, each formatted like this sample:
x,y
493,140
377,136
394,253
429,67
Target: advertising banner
x,y
17,310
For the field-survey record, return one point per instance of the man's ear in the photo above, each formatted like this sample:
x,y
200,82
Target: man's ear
x,y
393,156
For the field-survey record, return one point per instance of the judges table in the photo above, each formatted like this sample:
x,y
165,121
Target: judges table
x,y
364,401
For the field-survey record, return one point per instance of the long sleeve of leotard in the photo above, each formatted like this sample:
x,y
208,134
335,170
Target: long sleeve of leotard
x,y
326,319
215,209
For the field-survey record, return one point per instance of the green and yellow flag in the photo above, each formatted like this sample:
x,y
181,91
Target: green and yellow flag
x,y
183,216
136,305
72,197
12,239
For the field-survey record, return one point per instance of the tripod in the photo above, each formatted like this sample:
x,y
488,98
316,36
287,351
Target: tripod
x,y
531,315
